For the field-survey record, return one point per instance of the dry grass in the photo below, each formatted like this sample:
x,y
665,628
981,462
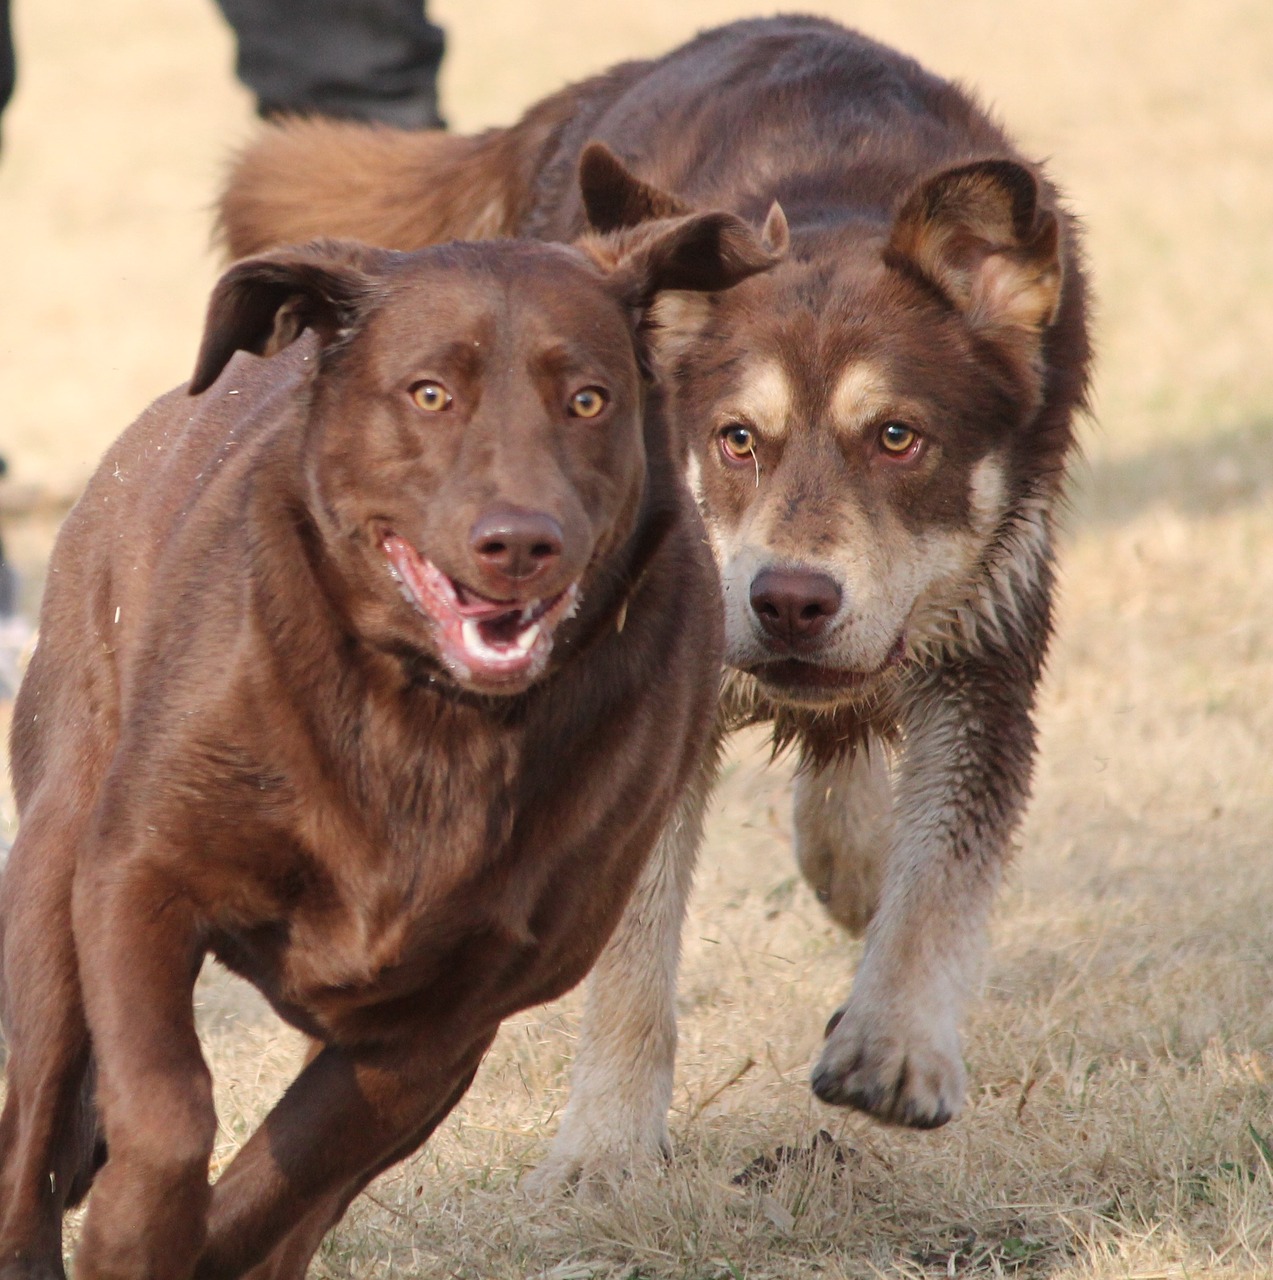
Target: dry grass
x,y
1121,1119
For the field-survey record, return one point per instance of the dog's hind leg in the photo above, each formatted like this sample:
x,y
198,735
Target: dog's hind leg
x,y
48,1127
843,820
621,1086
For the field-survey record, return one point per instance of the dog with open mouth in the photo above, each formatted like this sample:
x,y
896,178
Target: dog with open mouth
x,y
878,432
372,664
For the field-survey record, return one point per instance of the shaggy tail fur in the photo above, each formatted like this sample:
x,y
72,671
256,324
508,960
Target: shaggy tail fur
x,y
391,187
396,188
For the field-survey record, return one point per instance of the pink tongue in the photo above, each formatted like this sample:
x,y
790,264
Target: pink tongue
x,y
429,582
470,605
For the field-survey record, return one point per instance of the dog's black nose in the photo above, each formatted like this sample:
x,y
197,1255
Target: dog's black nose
x,y
512,543
794,604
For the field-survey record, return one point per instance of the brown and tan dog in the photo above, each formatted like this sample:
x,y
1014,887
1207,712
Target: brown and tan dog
x,y
878,432
373,669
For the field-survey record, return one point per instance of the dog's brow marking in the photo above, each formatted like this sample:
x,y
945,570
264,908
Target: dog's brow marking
x,y
862,394
765,397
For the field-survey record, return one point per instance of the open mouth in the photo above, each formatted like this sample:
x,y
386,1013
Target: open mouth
x,y
480,640
796,676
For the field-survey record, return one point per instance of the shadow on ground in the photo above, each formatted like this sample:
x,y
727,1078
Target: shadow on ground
x,y
1207,475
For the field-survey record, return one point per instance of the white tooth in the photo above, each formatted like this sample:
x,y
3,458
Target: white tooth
x,y
529,612
528,638
472,636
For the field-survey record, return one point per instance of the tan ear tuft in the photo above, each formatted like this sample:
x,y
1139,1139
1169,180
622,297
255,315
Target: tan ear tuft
x,y
677,319
775,235
977,233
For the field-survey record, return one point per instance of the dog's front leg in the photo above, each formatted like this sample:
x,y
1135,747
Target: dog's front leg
x,y
893,1047
346,1118
621,1086
139,953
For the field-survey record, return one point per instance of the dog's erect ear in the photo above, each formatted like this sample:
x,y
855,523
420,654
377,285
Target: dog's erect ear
x,y
977,232
263,304
666,268
655,242
697,253
615,198
775,235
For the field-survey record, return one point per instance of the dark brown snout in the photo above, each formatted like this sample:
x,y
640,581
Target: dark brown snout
x,y
794,605
513,545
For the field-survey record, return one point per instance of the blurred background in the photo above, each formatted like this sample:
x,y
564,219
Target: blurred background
x,y
1122,1057
1156,116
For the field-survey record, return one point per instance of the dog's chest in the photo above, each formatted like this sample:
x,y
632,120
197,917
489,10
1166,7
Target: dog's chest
x,y
417,901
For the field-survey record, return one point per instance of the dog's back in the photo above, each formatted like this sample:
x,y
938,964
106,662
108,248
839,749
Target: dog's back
x,y
796,108
166,480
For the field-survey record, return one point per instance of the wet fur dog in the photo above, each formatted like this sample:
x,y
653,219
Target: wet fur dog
x,y
878,433
374,669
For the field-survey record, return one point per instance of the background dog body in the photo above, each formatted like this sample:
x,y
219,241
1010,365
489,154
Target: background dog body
x,y
248,730
877,431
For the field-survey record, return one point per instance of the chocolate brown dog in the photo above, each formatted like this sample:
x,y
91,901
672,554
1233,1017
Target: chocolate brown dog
x,y
372,668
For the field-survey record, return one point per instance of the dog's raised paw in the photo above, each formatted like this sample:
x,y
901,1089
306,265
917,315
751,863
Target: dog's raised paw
x,y
912,1075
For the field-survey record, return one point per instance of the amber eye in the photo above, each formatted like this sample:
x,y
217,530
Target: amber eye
x,y
432,397
898,439
737,442
588,403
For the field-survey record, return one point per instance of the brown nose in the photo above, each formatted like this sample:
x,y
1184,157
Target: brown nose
x,y
512,543
794,604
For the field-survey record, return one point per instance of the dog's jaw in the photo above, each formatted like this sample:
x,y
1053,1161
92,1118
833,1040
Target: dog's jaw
x,y
487,645
803,682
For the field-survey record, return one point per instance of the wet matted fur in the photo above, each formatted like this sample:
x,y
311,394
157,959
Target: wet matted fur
x,y
878,432
373,668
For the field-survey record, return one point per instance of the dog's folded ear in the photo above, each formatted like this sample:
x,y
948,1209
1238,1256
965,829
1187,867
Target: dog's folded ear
x,y
263,304
978,234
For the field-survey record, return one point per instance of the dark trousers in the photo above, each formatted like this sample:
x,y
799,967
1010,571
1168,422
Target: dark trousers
x,y
8,65
359,59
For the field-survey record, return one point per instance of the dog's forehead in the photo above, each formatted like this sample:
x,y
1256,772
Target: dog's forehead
x,y
838,340
519,305
513,282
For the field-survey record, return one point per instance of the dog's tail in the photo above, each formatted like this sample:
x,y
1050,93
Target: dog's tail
x,y
396,188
